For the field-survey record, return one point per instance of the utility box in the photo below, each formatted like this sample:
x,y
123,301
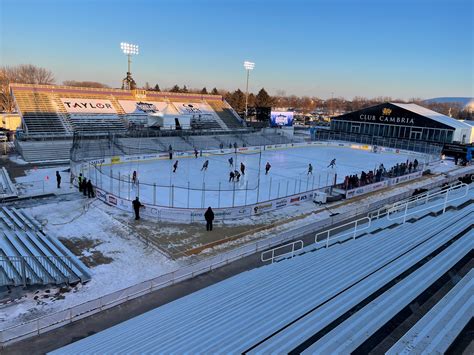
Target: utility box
x,y
320,197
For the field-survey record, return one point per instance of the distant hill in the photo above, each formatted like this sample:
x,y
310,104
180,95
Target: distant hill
x,y
465,101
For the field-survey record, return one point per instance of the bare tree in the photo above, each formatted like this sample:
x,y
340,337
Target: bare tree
x,y
85,84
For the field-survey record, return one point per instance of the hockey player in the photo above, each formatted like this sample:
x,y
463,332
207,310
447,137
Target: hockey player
x,y
205,165
175,166
195,153
134,177
231,176
242,168
310,169
231,162
332,164
237,175
267,168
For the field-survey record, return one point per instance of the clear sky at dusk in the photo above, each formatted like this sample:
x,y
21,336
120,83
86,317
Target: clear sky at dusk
x,y
402,49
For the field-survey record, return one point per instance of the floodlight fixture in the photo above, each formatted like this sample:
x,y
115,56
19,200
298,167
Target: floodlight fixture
x,y
248,66
128,49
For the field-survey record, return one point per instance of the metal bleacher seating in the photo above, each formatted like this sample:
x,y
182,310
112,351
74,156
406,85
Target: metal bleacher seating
x,y
29,257
97,123
34,151
40,115
226,114
439,327
289,306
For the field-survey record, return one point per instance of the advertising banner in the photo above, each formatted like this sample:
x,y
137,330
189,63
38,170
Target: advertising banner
x,y
88,106
142,107
187,108
281,118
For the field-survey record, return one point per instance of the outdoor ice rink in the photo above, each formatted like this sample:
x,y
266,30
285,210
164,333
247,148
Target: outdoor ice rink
x,y
191,187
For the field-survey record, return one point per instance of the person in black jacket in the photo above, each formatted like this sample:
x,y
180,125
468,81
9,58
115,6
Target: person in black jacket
x,y
58,179
84,186
90,190
209,216
136,207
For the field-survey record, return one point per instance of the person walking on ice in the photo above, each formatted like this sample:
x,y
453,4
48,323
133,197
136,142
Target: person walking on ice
x,y
310,169
175,166
209,217
242,168
136,208
134,177
205,165
231,162
332,164
267,168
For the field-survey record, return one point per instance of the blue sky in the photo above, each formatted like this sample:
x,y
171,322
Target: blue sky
x,y
402,49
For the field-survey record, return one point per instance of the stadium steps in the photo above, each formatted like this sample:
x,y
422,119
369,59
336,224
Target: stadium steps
x,y
225,114
39,115
438,328
45,259
355,330
63,114
35,151
253,305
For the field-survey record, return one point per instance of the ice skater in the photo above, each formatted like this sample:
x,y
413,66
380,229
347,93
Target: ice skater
x,y
267,168
134,178
242,168
332,164
231,162
237,175
205,165
175,166
195,153
310,169
231,176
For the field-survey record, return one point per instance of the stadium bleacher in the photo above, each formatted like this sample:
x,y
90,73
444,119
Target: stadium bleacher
x,y
293,304
29,257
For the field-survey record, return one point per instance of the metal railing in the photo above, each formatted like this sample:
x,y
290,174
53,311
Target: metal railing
x,y
443,194
294,247
353,230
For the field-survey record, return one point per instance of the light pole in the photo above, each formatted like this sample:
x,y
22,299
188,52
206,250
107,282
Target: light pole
x,y
248,66
129,50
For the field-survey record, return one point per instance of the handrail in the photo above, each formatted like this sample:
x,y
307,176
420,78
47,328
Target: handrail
x,y
292,252
354,232
383,211
405,206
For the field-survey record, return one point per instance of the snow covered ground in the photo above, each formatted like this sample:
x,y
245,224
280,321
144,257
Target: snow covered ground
x,y
117,258
287,176
43,180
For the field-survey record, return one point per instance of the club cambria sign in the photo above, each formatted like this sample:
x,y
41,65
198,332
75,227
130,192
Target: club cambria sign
x,y
88,106
387,119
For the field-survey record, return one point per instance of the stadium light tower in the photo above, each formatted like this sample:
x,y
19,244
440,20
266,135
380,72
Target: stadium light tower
x,y
248,66
129,50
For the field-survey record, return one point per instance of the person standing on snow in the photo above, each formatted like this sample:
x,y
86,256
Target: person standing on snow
x,y
209,217
136,208
58,179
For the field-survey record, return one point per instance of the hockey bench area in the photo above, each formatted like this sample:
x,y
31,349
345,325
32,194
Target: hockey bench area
x,y
339,297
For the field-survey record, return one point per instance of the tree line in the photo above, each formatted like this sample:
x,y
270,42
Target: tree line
x,y
31,74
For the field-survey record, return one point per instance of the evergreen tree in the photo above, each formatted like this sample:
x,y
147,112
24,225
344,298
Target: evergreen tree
x,y
156,88
263,99
175,89
214,92
184,89
204,91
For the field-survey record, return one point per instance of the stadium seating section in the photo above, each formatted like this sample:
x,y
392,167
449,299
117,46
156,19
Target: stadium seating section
x,y
29,257
43,112
325,300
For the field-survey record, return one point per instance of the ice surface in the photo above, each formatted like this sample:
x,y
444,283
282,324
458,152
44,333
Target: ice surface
x,y
287,176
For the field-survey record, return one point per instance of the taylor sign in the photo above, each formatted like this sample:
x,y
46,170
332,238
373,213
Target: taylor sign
x,y
88,106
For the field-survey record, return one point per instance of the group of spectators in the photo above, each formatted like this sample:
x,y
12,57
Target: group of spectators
x,y
366,178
